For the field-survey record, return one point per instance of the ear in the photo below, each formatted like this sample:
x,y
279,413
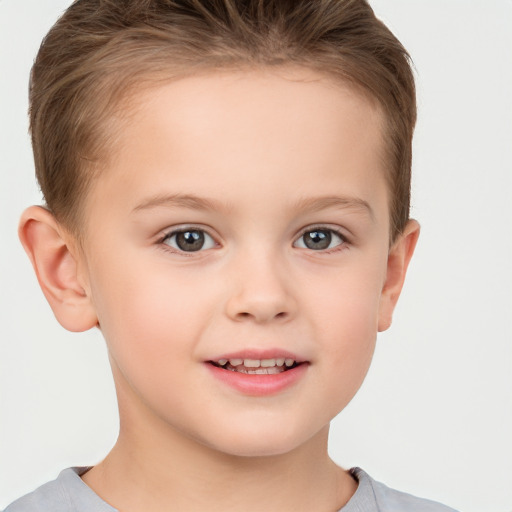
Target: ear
x,y
399,257
49,248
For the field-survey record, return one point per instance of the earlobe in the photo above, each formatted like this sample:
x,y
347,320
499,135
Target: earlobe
x,y
399,257
56,269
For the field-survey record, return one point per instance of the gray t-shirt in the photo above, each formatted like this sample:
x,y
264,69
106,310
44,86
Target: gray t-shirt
x,y
68,493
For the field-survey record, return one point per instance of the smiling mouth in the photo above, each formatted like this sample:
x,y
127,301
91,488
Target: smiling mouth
x,y
257,366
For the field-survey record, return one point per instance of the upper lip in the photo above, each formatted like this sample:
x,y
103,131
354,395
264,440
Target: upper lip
x,y
259,354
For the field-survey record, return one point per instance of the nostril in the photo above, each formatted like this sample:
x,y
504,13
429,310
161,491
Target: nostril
x,y
245,315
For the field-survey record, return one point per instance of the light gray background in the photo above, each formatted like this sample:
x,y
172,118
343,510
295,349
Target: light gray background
x,y
435,414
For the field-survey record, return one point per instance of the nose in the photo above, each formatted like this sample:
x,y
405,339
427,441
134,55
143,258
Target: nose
x,y
260,290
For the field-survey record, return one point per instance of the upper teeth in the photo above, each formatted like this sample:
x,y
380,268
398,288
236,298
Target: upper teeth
x,y
256,363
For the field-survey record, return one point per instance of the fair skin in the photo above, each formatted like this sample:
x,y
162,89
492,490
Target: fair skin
x,y
245,216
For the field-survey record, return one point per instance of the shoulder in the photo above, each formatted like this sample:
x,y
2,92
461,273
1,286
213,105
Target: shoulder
x,y
50,496
67,493
390,500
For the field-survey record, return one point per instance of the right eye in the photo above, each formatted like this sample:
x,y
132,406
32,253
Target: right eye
x,y
320,239
189,240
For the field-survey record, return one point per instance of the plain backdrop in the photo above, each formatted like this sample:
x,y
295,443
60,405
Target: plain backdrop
x,y
434,416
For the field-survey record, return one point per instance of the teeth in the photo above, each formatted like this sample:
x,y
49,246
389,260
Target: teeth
x,y
257,371
265,364
240,369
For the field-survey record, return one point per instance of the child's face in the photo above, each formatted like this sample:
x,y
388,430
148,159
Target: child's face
x,y
276,189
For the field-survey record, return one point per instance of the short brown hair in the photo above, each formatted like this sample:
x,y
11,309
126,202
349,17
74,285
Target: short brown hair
x,y
100,49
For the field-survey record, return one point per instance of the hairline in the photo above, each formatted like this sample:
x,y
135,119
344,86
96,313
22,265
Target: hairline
x,y
130,100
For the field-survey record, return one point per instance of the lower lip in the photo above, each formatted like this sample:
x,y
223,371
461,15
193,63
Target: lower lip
x,y
257,384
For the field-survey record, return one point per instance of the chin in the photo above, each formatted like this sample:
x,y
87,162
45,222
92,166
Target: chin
x,y
260,443
257,449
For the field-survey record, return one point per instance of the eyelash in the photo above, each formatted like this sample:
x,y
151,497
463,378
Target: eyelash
x,y
174,232
339,247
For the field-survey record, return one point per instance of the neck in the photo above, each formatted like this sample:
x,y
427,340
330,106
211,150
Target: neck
x,y
187,476
154,467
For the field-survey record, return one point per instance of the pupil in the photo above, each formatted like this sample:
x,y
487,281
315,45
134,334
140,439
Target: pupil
x,y
317,239
190,240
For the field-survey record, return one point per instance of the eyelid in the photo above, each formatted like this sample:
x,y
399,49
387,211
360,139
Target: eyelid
x,y
168,232
322,227
174,230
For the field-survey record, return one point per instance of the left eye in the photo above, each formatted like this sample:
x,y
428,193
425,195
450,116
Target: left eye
x,y
319,239
189,240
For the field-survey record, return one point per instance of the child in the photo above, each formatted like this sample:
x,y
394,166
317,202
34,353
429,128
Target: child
x,y
227,200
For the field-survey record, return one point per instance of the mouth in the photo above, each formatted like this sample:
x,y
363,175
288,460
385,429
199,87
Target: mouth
x,y
271,366
259,373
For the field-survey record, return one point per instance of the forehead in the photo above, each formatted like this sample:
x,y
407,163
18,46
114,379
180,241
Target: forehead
x,y
239,131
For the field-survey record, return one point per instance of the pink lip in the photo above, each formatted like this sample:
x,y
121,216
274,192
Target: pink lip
x,y
258,384
260,354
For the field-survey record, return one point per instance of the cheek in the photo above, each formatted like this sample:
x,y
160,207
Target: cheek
x,y
145,315
347,304
349,342
346,320
151,330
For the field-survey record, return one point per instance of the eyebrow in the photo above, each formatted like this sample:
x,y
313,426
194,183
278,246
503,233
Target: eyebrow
x,y
314,204
306,205
189,201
